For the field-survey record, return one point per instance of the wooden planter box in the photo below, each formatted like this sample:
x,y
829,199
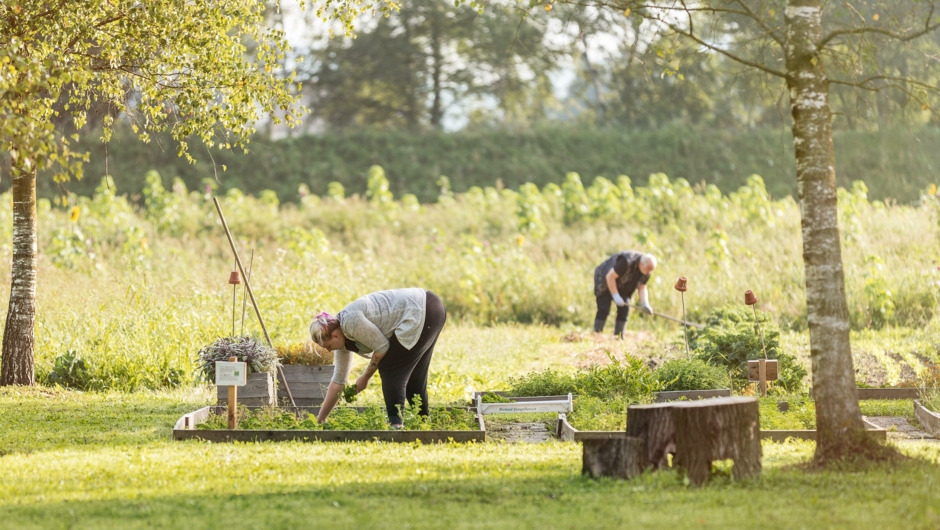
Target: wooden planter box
x,y
185,429
929,419
307,384
259,392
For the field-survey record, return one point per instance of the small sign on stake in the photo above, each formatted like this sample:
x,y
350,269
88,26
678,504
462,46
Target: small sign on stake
x,y
760,371
233,375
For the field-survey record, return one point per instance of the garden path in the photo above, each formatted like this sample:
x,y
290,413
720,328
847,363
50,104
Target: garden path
x,y
899,429
516,431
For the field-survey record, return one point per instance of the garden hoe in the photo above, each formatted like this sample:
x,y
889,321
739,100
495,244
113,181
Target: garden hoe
x,y
674,319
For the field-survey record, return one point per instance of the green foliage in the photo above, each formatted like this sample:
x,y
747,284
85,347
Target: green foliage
x,y
731,338
490,397
630,379
801,414
889,163
303,353
694,374
593,413
549,382
349,393
371,418
258,356
69,370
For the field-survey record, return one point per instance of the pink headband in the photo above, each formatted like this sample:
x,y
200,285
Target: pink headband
x,y
325,314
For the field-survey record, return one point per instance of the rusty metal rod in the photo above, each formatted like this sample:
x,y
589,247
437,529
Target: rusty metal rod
x,y
251,295
674,319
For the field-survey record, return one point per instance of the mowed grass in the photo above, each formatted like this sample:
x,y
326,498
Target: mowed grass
x,y
107,460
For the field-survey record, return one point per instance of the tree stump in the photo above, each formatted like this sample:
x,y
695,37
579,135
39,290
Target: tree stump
x,y
612,455
716,429
653,424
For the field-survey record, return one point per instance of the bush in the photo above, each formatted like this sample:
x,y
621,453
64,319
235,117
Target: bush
x,y
730,339
70,370
257,355
547,383
304,353
630,379
694,374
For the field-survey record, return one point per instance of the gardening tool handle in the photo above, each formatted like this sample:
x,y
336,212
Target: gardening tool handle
x,y
674,319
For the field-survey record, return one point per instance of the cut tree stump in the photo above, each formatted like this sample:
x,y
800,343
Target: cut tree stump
x,y
654,425
613,455
717,429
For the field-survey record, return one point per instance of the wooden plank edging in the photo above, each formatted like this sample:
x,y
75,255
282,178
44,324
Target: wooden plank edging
x,y
185,429
929,419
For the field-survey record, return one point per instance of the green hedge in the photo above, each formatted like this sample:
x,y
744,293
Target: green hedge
x,y
894,164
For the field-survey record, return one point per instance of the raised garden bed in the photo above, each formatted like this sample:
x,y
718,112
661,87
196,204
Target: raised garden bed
x,y
657,396
187,428
259,392
928,419
307,384
567,433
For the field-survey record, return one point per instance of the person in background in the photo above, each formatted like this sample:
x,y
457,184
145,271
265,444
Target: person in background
x,y
615,280
397,331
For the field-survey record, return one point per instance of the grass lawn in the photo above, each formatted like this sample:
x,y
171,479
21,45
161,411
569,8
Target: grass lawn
x,y
92,460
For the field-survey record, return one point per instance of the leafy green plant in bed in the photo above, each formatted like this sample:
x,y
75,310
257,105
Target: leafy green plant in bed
x,y
258,356
629,378
692,374
730,339
343,419
598,414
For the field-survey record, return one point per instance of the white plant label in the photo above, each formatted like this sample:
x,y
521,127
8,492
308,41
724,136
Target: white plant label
x,y
230,374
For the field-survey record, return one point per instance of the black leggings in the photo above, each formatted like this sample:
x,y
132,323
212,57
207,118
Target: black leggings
x,y
404,372
604,301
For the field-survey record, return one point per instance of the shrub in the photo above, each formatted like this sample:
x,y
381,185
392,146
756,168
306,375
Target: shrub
x,y
694,374
547,383
730,339
304,353
69,370
630,378
259,356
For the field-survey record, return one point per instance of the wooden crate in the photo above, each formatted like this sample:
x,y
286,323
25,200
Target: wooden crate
x,y
185,429
307,384
259,392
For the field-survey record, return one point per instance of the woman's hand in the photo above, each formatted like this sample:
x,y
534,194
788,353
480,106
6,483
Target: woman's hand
x,y
329,401
362,383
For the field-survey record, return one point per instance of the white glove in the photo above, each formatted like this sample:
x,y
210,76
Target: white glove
x,y
646,308
618,300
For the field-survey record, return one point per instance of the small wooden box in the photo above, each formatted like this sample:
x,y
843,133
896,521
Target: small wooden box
x,y
753,370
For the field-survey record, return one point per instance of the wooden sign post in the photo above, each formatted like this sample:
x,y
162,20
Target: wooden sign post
x,y
232,374
760,371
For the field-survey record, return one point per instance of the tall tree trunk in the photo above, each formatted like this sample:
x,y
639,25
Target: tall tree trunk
x,y
595,80
838,418
19,337
437,58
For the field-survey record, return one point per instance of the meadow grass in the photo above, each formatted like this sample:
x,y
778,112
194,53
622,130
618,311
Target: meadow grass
x,y
93,461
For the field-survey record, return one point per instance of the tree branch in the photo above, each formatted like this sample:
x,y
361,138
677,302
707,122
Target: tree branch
x,y
891,34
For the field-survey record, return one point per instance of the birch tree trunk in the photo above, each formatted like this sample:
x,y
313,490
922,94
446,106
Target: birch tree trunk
x,y
19,337
838,418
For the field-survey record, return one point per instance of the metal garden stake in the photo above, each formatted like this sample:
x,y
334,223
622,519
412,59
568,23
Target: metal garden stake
x,y
751,299
234,281
682,287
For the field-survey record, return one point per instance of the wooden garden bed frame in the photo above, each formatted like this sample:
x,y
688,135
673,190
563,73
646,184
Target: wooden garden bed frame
x,y
658,396
567,433
186,429
928,419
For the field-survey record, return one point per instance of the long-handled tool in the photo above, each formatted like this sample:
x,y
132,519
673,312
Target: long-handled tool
x,y
674,319
251,295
